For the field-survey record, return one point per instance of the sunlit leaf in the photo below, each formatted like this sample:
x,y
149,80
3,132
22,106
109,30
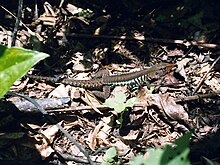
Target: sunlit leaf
x,y
138,160
110,102
130,102
14,63
168,155
171,155
110,153
120,107
120,97
109,156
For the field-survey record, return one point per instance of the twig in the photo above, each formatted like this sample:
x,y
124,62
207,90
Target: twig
x,y
18,18
52,120
198,96
81,108
28,29
103,107
142,38
204,77
70,157
28,109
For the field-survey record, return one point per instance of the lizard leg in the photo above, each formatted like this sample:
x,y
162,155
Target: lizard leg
x,y
103,94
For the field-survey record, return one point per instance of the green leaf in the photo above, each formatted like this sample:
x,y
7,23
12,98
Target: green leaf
x,y
110,102
120,97
110,153
120,107
168,155
117,102
15,62
138,160
155,156
106,163
183,141
109,156
172,155
130,102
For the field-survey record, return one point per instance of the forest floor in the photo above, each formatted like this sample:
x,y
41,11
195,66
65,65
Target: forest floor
x,y
121,37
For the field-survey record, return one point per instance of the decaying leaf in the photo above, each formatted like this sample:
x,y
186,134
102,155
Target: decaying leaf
x,y
92,138
167,105
60,91
132,135
90,100
173,110
122,148
44,148
105,131
214,84
100,134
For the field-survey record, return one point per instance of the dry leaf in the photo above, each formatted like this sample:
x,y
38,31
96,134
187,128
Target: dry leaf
x,y
132,135
105,131
122,148
90,100
173,110
60,91
166,105
180,67
50,132
44,150
214,84
92,138
74,149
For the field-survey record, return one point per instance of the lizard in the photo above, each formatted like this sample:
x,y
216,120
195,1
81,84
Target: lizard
x,y
107,81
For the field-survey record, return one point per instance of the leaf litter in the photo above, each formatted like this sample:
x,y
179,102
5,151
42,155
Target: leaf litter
x,y
155,120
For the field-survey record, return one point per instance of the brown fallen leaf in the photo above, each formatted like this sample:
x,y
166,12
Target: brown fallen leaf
x,y
44,149
90,100
167,105
132,135
51,132
60,91
122,148
173,110
100,134
92,138
105,131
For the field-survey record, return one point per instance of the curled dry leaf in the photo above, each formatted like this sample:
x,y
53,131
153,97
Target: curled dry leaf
x,y
105,131
167,105
180,67
173,110
44,149
90,100
100,134
92,138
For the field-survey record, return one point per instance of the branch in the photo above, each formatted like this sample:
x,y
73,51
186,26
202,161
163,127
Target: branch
x,y
151,40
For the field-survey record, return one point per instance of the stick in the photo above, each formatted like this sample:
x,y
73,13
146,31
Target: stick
x,y
142,38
